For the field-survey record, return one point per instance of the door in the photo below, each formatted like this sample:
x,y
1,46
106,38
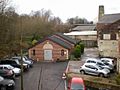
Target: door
x,y
47,54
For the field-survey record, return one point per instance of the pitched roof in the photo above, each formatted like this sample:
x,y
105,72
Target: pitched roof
x,y
84,27
55,40
73,41
109,18
60,42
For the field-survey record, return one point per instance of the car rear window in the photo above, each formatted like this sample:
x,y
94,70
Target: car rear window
x,y
77,86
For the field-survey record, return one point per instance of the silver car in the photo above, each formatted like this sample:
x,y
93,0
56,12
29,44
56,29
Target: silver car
x,y
99,63
93,69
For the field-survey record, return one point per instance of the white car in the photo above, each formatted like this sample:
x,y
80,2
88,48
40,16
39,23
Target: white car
x,y
17,71
108,60
99,63
93,69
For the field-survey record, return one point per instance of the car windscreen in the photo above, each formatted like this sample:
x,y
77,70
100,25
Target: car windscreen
x,y
10,67
77,86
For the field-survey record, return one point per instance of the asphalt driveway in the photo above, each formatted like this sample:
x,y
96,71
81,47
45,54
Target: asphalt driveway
x,y
43,76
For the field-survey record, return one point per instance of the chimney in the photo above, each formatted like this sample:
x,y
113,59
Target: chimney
x,y
101,12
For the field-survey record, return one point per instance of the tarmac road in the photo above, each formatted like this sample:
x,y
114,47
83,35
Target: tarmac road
x,y
43,76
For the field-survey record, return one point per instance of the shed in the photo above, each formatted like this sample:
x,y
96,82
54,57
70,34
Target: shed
x,y
51,49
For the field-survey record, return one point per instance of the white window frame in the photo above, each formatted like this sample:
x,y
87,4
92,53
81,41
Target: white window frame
x,y
106,36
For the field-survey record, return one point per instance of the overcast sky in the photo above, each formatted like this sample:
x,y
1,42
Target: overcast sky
x,y
69,8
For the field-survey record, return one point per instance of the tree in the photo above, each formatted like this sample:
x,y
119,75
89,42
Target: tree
x,y
77,20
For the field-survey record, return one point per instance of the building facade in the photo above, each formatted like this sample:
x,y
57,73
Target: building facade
x,y
86,33
51,49
108,28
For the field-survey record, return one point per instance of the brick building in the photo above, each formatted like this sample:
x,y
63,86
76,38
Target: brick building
x,y
55,47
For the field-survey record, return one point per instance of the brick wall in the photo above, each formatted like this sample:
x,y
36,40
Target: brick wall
x,y
56,51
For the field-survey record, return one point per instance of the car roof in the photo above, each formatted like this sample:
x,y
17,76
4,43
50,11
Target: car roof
x,y
77,80
5,65
106,58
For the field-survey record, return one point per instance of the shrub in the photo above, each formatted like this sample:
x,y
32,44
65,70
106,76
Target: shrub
x,y
77,51
118,79
82,47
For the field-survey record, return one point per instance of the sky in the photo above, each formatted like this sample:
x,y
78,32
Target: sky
x,y
65,9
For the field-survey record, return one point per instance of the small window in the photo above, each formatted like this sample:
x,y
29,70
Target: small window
x,y
33,52
113,36
101,36
62,52
106,36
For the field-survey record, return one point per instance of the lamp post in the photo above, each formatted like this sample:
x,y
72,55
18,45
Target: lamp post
x,y
21,52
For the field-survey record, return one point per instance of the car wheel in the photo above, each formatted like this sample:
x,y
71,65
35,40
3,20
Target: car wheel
x,y
3,88
101,75
82,72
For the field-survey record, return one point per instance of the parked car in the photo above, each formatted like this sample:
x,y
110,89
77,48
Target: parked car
x,y
7,73
24,60
76,83
17,71
93,69
110,61
14,63
99,63
6,84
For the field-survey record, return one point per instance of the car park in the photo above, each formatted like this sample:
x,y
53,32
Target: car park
x,y
76,83
99,63
93,69
17,71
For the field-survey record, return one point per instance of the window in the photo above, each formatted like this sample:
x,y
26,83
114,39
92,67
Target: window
x,y
101,36
5,68
113,36
106,36
62,52
33,52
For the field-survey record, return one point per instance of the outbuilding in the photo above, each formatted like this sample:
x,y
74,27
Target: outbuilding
x,y
55,47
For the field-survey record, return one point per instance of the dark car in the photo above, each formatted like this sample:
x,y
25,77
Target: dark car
x,y
14,63
7,73
6,84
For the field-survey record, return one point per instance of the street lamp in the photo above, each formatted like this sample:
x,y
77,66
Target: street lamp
x,y
21,52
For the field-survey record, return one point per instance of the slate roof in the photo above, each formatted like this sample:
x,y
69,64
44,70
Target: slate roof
x,y
73,41
84,27
60,42
55,40
109,18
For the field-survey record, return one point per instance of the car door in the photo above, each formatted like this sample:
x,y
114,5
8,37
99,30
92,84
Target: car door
x,y
2,72
92,70
88,69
